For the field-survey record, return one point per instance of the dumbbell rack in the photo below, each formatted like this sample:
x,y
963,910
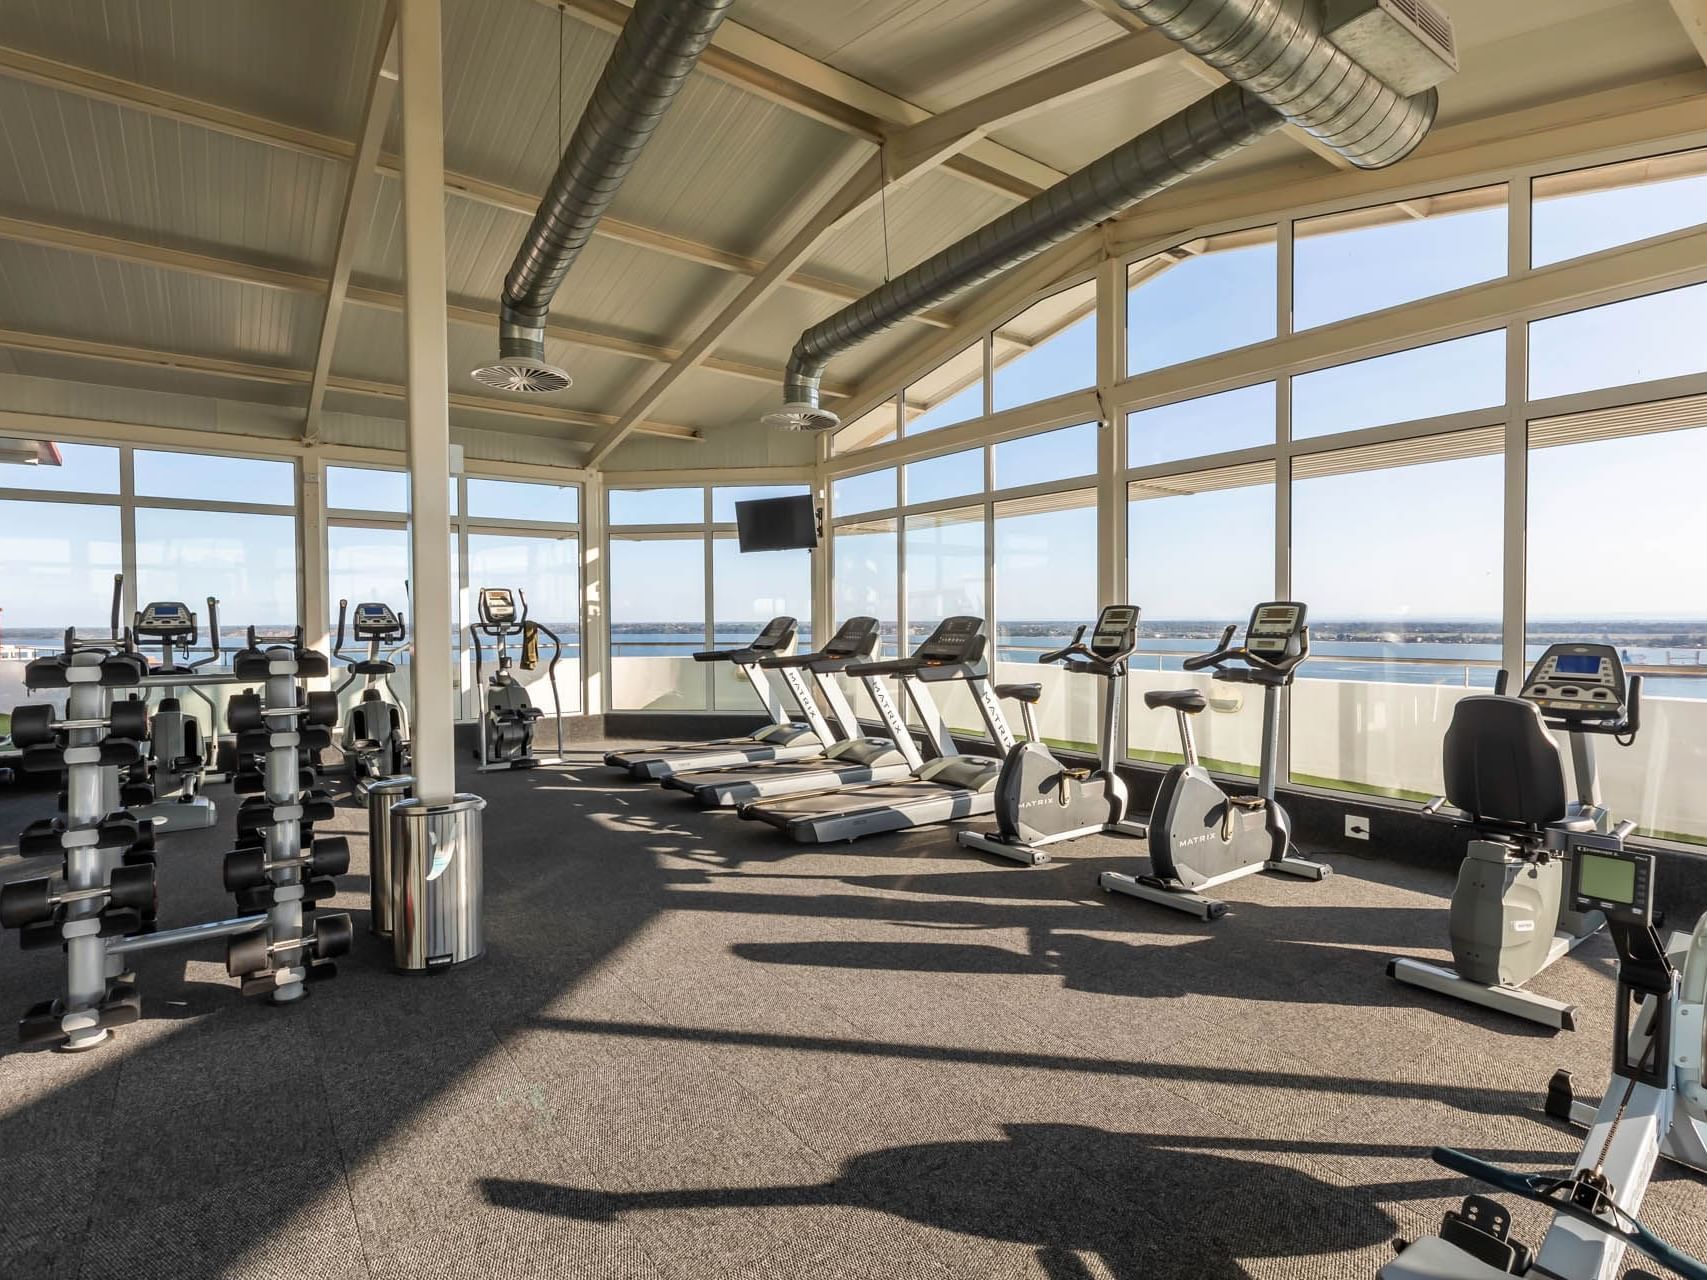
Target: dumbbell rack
x,y
106,881
278,867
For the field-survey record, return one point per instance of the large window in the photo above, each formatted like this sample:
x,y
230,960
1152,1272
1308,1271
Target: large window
x,y
547,571
867,577
944,554
952,392
248,562
1200,298
1588,210
1656,336
1200,555
1630,582
60,561
1348,264
1396,550
1239,419
1046,457
1424,382
657,621
1048,349
1045,567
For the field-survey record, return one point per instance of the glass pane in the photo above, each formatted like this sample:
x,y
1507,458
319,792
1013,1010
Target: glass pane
x,y
1424,382
723,500
945,577
952,392
366,564
950,476
1219,296
1052,455
214,479
657,621
865,577
367,489
1349,264
1658,336
1046,570
60,560
247,561
1402,626
1655,612
1174,526
1588,210
1239,419
868,491
523,500
657,506
548,572
875,427
81,468
748,589
1047,350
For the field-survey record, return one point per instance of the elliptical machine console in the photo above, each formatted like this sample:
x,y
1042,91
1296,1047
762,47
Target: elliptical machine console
x,y
1200,835
507,724
177,747
1511,913
376,728
1040,800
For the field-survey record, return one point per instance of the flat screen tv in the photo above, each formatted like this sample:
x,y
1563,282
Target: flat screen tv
x,y
776,524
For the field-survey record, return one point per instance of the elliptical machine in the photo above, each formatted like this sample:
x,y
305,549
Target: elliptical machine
x,y
507,722
1040,800
376,729
177,748
1201,836
1655,1105
1505,783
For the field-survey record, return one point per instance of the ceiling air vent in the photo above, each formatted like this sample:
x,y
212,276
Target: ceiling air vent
x,y
530,377
802,417
1406,44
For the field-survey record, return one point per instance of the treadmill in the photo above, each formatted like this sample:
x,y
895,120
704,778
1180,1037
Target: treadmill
x,y
781,739
852,760
945,788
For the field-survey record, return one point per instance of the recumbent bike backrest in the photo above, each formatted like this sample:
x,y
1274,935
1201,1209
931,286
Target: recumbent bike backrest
x,y
1501,764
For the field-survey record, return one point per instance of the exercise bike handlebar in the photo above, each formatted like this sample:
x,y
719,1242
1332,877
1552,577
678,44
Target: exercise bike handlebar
x,y
1553,1190
1222,652
338,644
1073,648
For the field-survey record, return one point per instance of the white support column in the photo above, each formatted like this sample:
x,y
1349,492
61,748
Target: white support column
x,y
1112,576
428,405
595,626
1515,553
311,536
824,620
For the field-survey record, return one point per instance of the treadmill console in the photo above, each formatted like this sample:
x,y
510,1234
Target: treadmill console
x,y
1611,879
376,621
778,633
1116,632
956,640
855,638
497,606
1276,630
164,621
1578,682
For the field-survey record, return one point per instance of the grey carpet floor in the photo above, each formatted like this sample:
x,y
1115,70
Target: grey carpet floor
x,y
698,1050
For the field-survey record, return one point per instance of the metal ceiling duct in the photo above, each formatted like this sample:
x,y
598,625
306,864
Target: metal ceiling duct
x,y
653,57
1283,68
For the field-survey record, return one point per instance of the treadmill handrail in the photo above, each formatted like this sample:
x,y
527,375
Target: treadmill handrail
x,y
745,654
904,666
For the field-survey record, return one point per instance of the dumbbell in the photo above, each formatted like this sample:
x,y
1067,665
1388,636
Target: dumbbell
x,y
25,902
247,868
245,714
251,952
35,725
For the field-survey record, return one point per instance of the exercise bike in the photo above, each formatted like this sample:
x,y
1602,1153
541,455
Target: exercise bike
x,y
376,729
1041,801
508,719
177,759
1505,783
1655,1105
1201,836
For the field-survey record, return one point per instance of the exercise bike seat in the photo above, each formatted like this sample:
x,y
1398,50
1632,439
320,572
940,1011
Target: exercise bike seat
x,y
1031,693
1190,701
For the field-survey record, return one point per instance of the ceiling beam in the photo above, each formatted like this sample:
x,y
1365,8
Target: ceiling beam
x,y
359,195
929,143
30,68
855,194
284,375
1116,12
1693,15
771,70
245,272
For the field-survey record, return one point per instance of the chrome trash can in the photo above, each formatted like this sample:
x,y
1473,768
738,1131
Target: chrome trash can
x,y
382,793
438,889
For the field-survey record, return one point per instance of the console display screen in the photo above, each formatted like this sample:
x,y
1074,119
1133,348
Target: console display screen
x,y
1606,879
1577,664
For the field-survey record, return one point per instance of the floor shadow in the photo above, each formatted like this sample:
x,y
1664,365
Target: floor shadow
x,y
1086,1200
